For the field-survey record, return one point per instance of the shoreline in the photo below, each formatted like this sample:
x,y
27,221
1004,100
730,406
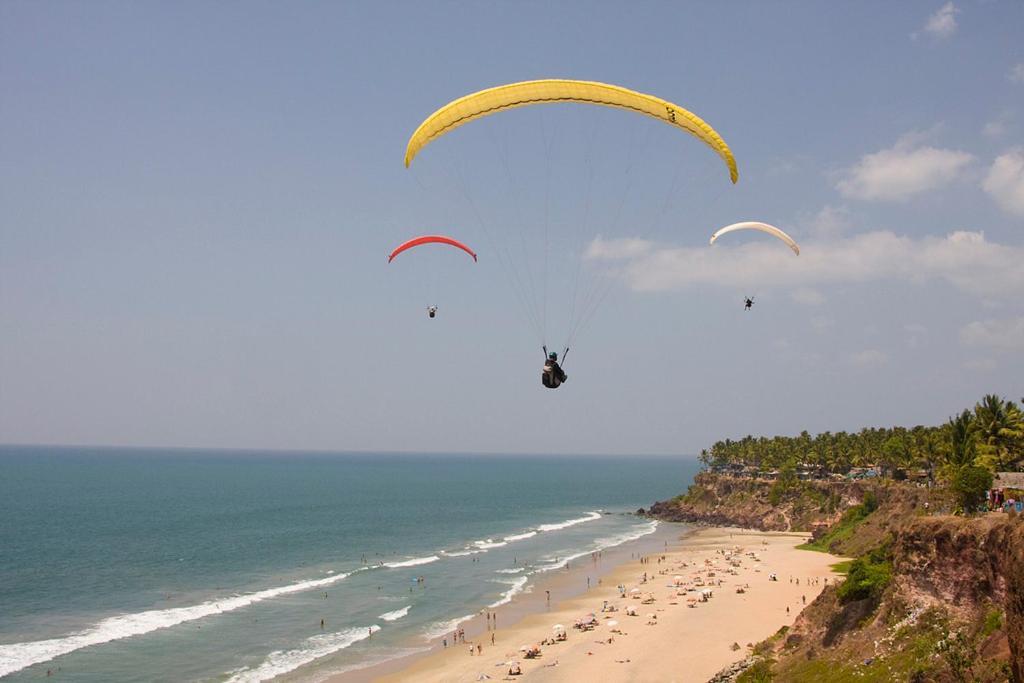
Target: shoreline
x,y
642,651
564,584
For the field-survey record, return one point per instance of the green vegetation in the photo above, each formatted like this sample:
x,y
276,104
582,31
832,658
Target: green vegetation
x,y
911,658
994,618
970,485
845,527
842,567
760,672
867,576
988,437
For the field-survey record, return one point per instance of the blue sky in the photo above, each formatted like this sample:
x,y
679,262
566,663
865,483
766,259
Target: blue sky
x,y
196,202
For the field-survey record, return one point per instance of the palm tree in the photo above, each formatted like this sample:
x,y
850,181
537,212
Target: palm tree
x,y
998,427
962,446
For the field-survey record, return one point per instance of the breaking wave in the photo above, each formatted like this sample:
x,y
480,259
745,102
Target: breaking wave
x,y
17,656
281,662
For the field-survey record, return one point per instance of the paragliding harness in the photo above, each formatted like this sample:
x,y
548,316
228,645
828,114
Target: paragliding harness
x,y
552,375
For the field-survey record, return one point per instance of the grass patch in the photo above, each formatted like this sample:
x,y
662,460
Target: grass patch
x,y
846,526
842,567
993,622
761,672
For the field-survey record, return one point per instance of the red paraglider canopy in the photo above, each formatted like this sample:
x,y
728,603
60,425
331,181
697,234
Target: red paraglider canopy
x,y
429,239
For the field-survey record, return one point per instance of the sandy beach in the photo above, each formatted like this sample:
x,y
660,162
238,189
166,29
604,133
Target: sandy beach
x,y
678,636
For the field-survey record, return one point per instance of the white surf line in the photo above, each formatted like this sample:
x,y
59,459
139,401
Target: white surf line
x,y
280,662
18,656
412,563
591,516
506,597
603,544
443,628
396,615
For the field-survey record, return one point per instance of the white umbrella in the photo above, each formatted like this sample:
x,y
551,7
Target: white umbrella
x,y
635,590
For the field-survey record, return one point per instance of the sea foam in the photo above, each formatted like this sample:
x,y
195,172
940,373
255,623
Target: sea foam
x,y
17,656
639,531
281,662
520,537
517,586
591,516
443,628
412,563
396,615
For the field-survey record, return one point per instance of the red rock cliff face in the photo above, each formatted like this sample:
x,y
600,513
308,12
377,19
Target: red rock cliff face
x,y
963,564
1013,552
739,501
955,562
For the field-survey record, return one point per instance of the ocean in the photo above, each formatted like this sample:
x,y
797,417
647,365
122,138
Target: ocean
x,y
192,565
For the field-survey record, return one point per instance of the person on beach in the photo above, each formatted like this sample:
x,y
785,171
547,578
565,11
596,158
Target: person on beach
x,y
552,375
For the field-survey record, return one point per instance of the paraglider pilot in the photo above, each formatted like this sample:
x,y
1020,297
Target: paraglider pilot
x,y
552,376
748,302
432,311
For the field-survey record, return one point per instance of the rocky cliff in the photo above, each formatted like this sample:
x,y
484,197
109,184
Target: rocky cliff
x,y
931,597
953,610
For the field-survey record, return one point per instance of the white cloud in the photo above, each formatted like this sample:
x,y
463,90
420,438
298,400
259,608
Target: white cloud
x,y
966,260
808,296
1017,73
831,221
1005,181
994,129
1007,335
822,323
914,333
906,169
868,358
612,250
941,24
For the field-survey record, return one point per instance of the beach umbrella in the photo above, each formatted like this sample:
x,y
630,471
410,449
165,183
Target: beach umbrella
x,y
635,590
613,623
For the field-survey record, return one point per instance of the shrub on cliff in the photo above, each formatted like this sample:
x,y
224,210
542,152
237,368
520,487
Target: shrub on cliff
x,y
970,485
868,577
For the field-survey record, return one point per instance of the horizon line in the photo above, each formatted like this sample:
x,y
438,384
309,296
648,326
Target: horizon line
x,y
327,451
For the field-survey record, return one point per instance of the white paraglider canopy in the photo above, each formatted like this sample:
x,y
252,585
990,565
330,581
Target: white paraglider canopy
x,y
763,227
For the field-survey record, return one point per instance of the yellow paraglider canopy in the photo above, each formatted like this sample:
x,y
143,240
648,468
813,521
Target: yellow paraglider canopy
x,y
550,91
